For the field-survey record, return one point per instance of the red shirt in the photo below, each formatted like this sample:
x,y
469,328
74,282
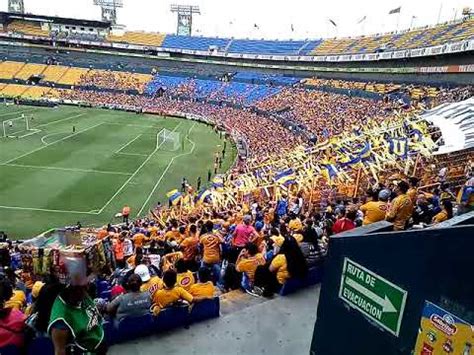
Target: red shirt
x,y
242,234
342,225
11,328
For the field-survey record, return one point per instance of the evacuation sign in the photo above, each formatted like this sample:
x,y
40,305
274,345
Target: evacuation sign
x,y
373,296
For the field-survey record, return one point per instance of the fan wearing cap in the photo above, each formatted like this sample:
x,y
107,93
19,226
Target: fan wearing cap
x,y
149,284
374,211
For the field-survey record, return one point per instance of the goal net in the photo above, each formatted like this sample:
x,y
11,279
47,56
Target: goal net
x,y
168,140
15,127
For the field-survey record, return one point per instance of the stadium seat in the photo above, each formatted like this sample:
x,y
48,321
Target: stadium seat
x,y
10,350
170,318
205,309
41,345
313,277
133,327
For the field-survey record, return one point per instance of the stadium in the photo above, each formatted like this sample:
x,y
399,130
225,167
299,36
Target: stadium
x,y
156,187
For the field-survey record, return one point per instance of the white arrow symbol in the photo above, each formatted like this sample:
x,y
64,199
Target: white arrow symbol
x,y
387,306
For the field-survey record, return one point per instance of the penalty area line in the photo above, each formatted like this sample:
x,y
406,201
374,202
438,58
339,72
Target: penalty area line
x,y
157,147
167,168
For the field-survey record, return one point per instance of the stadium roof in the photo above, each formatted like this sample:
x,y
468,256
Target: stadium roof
x,y
6,17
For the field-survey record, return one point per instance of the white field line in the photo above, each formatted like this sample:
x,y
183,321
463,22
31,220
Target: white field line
x,y
127,144
33,131
40,167
42,210
138,169
166,170
49,135
130,125
49,144
61,120
134,154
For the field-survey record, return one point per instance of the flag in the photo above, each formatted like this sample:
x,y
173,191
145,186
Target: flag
x,y
395,11
333,23
174,196
362,20
399,147
218,183
203,195
285,177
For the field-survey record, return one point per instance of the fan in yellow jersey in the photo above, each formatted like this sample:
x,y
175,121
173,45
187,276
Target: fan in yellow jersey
x,y
204,288
150,284
374,211
185,277
171,293
401,208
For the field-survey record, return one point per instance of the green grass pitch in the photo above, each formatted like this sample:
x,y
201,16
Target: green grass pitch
x,y
51,177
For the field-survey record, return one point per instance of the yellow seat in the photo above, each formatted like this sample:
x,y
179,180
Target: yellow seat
x,y
143,38
54,72
30,69
9,69
28,28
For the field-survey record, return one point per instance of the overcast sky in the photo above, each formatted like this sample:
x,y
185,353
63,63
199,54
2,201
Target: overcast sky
x,y
236,18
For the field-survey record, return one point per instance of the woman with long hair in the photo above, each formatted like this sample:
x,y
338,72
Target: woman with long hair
x,y
445,213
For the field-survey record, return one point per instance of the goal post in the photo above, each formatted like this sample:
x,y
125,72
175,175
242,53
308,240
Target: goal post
x,y
15,126
168,140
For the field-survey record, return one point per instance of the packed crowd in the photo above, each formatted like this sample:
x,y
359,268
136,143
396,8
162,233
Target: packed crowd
x,y
255,246
263,136
315,109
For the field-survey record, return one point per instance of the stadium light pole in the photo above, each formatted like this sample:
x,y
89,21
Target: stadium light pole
x,y
17,6
185,18
109,9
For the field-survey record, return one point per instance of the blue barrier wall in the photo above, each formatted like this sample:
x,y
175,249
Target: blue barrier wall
x,y
431,264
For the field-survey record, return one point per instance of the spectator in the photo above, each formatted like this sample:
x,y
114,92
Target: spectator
x,y
149,284
247,262
211,244
75,317
345,223
374,211
243,233
401,208
170,293
12,321
134,303
185,278
445,214
204,288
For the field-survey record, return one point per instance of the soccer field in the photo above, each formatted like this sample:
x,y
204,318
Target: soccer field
x,y
51,176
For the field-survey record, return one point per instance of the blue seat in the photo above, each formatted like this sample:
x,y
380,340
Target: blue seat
x,y
106,295
9,350
133,327
171,317
109,332
40,345
205,309
292,285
